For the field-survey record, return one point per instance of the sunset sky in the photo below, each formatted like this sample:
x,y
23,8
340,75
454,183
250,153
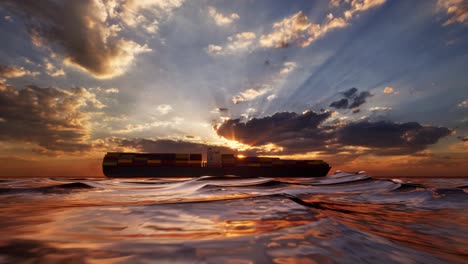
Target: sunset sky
x,y
374,85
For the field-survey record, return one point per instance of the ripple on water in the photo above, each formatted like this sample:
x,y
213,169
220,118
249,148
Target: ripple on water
x,y
346,218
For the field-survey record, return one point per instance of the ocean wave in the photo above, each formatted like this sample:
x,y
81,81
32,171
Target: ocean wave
x,y
60,188
344,217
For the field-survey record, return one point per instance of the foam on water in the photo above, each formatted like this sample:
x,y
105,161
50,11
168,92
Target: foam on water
x,y
345,218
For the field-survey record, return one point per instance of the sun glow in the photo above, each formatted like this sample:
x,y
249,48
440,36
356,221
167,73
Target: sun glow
x,y
234,144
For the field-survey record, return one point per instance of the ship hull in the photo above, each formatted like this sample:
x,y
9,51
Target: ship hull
x,y
174,171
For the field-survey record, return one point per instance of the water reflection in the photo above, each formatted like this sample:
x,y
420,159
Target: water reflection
x,y
322,220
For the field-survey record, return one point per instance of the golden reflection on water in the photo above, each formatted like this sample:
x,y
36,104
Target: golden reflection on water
x,y
234,228
415,228
225,226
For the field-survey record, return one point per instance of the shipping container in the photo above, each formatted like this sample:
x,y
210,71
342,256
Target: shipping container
x,y
196,157
182,156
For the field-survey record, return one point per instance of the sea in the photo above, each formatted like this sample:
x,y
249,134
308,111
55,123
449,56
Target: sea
x,y
340,218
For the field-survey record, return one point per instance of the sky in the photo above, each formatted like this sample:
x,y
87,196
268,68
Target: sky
x,y
366,85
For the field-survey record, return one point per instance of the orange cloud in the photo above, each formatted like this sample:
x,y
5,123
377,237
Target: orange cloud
x,y
82,33
50,118
15,72
457,10
361,5
297,29
389,90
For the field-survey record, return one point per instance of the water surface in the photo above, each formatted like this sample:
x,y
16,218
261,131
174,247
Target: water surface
x,y
342,218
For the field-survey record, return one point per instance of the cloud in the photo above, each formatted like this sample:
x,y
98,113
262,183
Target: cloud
x,y
271,97
220,19
298,30
360,99
319,132
361,5
380,109
111,90
241,41
463,138
334,3
340,104
250,94
53,118
289,130
8,18
388,138
219,110
267,86
355,99
143,14
463,104
295,29
99,90
457,10
350,93
15,72
52,70
249,113
389,90
85,34
289,29
237,43
131,128
164,109
214,49
288,67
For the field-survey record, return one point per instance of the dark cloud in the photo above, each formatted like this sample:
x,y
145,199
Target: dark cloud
x,y
289,130
340,104
388,138
49,117
360,99
349,93
352,99
80,31
301,133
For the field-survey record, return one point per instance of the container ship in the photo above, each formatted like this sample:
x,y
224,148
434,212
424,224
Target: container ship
x,y
124,164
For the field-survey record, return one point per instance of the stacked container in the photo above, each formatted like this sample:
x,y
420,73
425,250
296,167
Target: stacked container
x,y
228,160
111,159
125,159
195,160
152,159
140,160
190,164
